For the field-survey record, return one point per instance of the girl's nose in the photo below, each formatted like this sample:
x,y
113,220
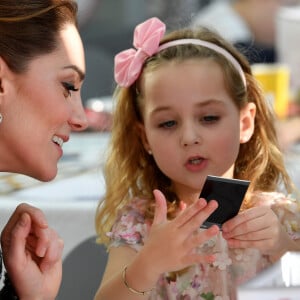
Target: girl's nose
x,y
192,142
190,136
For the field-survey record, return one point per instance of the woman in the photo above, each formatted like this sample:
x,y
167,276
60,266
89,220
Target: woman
x,y
41,72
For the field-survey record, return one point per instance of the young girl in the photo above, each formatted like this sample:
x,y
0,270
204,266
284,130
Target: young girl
x,y
187,107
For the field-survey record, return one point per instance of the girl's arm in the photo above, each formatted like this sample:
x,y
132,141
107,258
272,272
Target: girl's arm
x,y
137,277
169,247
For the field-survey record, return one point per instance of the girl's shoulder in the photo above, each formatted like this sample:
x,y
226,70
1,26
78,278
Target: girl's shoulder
x,y
131,225
134,211
259,198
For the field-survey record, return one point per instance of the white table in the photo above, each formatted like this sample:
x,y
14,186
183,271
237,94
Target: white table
x,y
278,282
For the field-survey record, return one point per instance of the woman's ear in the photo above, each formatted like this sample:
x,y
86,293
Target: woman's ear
x,y
5,74
1,71
247,122
142,134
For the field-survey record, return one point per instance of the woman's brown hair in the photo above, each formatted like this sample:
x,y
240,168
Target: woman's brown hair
x,y
30,28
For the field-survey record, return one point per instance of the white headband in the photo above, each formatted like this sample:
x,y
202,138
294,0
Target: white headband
x,y
209,45
147,37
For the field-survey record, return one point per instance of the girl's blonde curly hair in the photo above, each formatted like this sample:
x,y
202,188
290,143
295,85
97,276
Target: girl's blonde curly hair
x,y
131,172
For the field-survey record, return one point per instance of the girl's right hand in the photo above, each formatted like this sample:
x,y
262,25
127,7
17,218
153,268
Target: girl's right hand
x,y
171,245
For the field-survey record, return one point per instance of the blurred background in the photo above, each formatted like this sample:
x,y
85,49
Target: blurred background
x,y
267,32
107,28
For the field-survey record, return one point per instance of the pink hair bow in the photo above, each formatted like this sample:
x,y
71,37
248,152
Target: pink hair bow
x,y
128,63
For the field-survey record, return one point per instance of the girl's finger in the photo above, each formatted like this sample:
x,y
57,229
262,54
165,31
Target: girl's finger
x,y
186,215
248,228
199,237
197,219
160,215
236,222
244,244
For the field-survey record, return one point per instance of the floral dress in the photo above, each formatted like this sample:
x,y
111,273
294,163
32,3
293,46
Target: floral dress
x,y
215,281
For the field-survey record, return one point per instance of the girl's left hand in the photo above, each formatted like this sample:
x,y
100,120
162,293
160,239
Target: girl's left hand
x,y
259,228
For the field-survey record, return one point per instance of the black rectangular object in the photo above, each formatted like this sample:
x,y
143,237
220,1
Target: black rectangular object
x,y
229,193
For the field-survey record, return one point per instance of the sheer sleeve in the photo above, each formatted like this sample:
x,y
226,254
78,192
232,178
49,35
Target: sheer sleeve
x,y
287,209
130,227
288,212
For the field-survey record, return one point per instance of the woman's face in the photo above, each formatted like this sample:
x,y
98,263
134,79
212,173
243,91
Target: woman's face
x,y
191,124
40,109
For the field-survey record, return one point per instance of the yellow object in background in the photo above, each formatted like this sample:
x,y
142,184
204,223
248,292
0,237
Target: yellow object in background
x,y
275,82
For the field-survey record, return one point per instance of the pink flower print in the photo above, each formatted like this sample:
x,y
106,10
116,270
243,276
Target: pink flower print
x,y
127,220
130,236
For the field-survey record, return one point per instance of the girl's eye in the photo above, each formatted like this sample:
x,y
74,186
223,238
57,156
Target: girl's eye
x,y
68,88
210,119
167,124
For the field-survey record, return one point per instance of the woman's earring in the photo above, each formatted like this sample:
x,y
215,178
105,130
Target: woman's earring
x,y
149,152
1,118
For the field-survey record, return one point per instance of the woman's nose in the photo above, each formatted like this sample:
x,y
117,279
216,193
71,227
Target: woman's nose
x,y
78,120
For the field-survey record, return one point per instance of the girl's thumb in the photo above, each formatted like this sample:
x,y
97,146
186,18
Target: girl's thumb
x,y
160,215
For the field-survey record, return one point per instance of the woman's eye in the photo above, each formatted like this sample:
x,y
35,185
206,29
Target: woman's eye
x,y
68,88
209,119
167,124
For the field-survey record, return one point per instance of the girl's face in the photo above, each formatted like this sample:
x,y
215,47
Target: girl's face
x,y
40,109
191,124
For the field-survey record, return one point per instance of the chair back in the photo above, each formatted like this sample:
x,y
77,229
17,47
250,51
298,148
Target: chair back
x,y
83,269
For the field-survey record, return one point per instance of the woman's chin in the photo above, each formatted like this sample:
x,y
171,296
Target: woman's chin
x,y
45,176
